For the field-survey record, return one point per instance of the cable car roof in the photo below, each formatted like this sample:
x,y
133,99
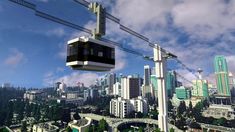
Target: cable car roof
x,y
88,39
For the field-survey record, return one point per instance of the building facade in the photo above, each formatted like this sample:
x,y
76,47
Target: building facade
x,y
200,88
171,83
117,91
222,80
45,127
154,86
219,111
130,87
182,93
121,107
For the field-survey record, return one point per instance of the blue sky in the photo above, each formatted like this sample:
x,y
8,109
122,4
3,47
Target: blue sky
x,y
33,49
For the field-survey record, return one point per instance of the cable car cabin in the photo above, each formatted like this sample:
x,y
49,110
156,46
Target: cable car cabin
x,y
90,54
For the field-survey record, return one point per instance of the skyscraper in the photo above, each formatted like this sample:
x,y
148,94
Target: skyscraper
x,y
200,86
171,82
154,86
130,87
221,71
147,74
147,90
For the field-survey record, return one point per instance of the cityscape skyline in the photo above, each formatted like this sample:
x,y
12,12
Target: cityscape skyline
x,y
110,66
33,68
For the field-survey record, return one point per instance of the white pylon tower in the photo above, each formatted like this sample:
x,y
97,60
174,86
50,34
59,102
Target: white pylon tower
x,y
160,65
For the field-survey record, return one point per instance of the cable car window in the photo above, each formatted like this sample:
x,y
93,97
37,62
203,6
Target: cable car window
x,y
91,51
100,54
72,50
85,52
112,54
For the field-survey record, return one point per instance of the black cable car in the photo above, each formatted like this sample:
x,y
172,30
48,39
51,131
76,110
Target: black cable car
x,y
85,53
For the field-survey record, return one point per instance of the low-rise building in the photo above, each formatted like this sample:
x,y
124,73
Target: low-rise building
x,y
182,93
45,127
33,95
80,125
76,101
219,111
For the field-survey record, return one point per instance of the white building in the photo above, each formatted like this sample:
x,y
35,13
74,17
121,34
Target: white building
x,y
34,95
130,87
139,104
6,85
219,111
45,127
62,88
117,89
121,107
80,125
147,73
76,101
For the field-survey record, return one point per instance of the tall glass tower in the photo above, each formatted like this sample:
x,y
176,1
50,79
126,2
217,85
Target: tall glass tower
x,y
222,80
171,82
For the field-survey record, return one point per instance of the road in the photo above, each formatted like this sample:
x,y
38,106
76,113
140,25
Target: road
x,y
115,122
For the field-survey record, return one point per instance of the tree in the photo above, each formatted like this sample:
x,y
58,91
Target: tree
x,y
103,125
195,125
190,108
157,130
139,115
76,116
24,126
219,122
154,114
66,115
68,129
172,130
141,129
9,116
170,106
181,108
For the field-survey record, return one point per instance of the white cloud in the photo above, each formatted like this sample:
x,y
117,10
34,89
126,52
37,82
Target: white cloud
x,y
231,63
72,79
59,69
59,32
139,14
205,19
120,60
49,79
15,58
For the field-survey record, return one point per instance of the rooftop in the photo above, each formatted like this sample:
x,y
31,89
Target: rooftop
x,y
80,122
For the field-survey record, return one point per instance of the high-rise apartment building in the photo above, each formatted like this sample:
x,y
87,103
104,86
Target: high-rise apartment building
x,y
200,88
222,80
130,87
147,89
111,79
154,86
117,89
147,73
139,104
171,82
121,107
